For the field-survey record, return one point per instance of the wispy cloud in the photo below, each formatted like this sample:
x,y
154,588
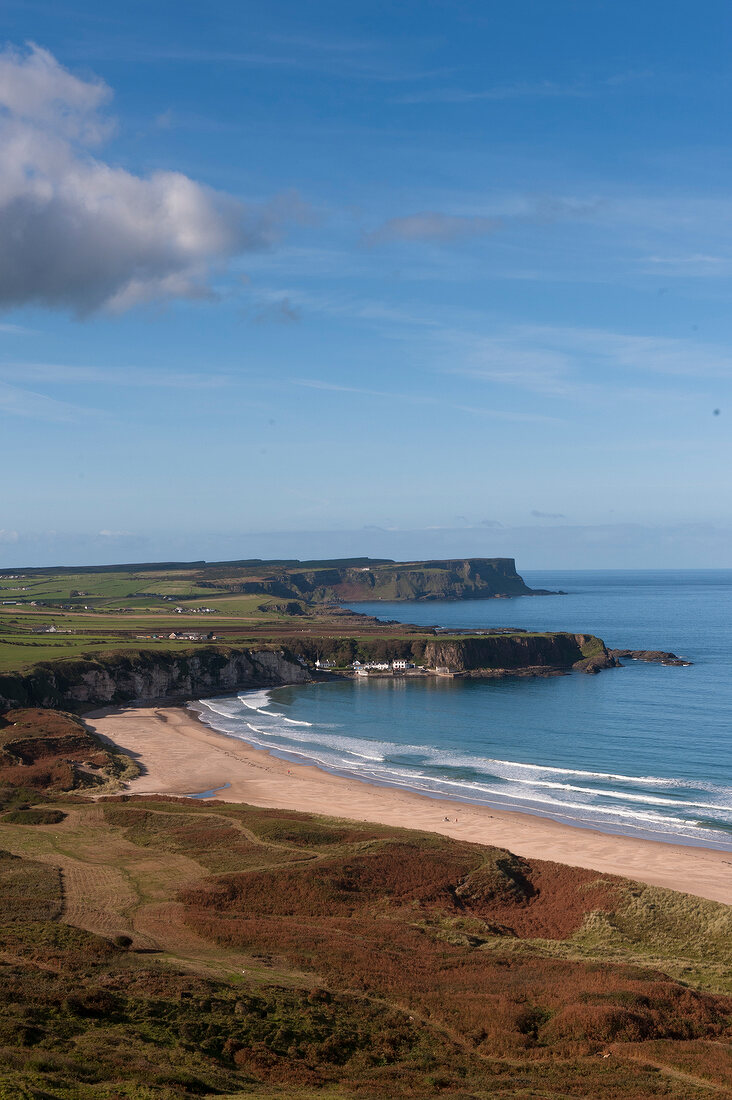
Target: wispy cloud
x,y
658,355
694,266
278,312
581,362
544,89
424,399
431,226
525,89
348,59
15,401
64,373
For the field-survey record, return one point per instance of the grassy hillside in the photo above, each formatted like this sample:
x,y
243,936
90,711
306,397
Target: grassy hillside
x,y
159,948
59,626
51,614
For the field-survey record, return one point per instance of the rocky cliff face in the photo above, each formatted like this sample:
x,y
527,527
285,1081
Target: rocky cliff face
x,y
148,675
458,579
472,578
518,651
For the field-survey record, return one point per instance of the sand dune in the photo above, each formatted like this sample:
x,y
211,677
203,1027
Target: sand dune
x,y
179,755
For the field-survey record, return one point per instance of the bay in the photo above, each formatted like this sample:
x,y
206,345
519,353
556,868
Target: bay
x,y
645,749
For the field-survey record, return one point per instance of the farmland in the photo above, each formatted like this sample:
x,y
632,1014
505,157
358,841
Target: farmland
x,y
61,615
53,615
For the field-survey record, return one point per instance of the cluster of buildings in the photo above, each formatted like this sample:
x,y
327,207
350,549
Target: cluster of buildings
x,y
362,668
179,636
192,636
399,664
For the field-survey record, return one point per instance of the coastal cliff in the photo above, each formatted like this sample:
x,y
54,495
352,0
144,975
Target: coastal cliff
x,y
449,579
502,653
146,675
472,578
159,675
497,653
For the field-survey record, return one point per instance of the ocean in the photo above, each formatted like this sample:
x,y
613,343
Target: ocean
x,y
644,750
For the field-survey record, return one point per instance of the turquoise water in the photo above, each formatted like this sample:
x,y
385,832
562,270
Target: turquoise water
x,y
644,749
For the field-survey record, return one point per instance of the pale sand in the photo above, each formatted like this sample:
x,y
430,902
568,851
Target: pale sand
x,y
180,756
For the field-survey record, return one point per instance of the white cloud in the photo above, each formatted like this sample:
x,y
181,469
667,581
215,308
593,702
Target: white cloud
x,y
82,234
35,88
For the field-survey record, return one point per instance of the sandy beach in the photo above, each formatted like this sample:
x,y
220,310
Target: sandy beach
x,y
179,755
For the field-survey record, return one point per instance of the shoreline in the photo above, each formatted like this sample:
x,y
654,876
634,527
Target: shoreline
x,y
293,758
181,756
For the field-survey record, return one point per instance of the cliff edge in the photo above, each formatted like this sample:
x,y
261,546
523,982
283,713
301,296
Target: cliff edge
x,y
445,579
117,678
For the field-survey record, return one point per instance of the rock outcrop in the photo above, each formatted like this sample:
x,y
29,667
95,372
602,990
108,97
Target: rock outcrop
x,y
148,675
506,653
659,656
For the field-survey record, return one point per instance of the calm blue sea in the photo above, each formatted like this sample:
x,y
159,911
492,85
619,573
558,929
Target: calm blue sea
x,y
644,749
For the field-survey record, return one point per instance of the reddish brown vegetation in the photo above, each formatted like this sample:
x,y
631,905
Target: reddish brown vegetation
x,y
380,921
539,899
40,748
425,984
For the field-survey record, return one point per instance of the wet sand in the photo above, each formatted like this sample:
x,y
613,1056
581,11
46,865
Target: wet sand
x,y
179,755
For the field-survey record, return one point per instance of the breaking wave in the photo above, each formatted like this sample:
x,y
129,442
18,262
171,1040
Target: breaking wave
x,y
672,808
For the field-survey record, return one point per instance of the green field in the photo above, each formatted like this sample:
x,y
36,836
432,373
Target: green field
x,y
126,610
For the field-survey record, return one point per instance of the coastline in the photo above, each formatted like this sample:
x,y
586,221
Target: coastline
x,y
179,755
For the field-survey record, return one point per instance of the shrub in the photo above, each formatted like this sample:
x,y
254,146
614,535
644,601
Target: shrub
x,y
33,817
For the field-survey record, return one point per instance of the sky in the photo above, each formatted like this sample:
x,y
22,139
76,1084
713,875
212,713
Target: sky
x,y
410,279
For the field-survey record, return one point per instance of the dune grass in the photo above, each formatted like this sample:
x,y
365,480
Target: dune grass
x,y
156,948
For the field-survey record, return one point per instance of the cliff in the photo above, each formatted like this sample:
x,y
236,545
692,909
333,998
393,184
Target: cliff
x,y
449,579
469,579
466,654
114,679
494,653
118,678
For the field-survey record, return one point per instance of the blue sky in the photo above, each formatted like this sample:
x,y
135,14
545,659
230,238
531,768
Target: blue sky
x,y
404,279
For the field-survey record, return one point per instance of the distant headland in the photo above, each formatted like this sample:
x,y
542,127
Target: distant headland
x,y
89,636
321,581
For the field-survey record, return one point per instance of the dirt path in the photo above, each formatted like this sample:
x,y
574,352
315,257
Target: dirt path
x,y
670,1071
112,887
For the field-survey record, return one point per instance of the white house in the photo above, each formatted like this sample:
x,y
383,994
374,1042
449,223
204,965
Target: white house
x,y
400,663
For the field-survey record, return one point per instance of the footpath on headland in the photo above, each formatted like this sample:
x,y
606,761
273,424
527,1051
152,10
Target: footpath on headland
x,y
179,755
